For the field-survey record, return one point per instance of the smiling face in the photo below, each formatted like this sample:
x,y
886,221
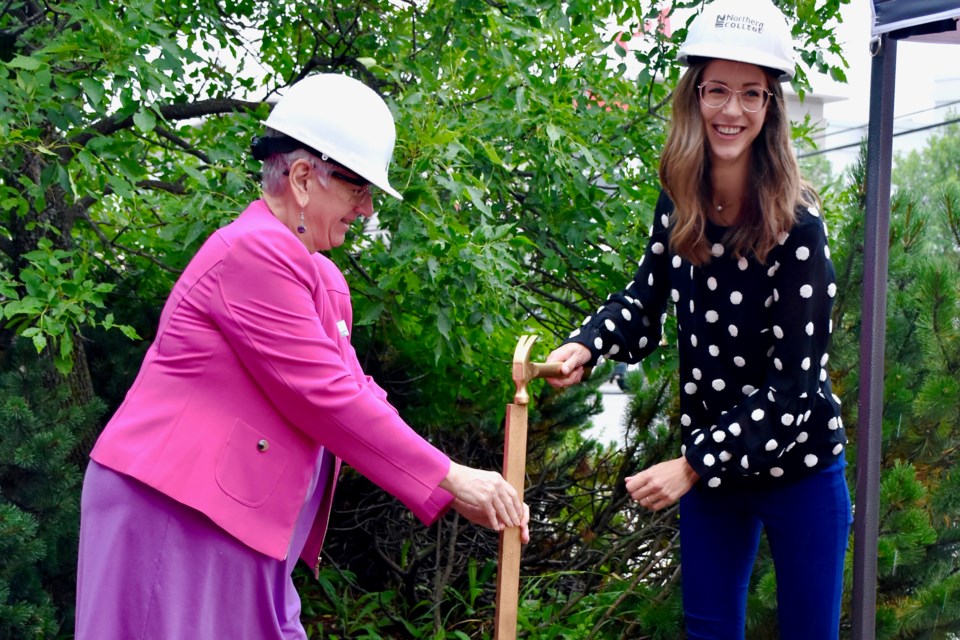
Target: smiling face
x,y
730,129
333,208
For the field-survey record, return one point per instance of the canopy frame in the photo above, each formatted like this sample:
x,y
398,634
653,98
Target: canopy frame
x,y
893,20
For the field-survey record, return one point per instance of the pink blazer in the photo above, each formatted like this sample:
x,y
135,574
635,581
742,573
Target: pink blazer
x,y
250,379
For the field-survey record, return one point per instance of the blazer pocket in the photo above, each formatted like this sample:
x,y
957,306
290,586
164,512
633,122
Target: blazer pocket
x,y
250,465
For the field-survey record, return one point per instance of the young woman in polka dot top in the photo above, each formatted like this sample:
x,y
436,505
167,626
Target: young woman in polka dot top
x,y
739,248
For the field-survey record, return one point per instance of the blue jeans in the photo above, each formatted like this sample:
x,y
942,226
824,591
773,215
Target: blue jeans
x,y
807,523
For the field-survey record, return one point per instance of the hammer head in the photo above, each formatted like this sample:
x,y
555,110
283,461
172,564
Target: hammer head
x,y
524,371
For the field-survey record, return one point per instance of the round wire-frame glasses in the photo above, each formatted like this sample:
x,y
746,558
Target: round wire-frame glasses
x,y
716,94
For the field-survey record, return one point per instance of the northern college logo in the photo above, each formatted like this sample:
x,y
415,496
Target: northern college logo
x,y
744,23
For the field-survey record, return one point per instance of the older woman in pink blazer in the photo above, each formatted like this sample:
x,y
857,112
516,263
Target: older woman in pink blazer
x,y
218,470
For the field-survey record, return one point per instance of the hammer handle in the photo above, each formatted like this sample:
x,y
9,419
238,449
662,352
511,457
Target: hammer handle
x,y
547,369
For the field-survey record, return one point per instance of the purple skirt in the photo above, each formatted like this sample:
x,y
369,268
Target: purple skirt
x,y
151,568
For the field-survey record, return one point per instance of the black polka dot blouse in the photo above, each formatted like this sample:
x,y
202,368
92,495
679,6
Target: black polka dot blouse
x,y
756,405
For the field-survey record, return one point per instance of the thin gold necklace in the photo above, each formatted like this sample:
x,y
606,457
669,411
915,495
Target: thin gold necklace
x,y
720,209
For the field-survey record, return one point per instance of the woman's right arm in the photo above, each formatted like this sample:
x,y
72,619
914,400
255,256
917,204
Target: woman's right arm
x,y
485,498
628,326
267,312
573,357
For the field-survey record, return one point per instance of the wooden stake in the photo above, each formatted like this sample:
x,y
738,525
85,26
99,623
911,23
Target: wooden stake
x,y
514,471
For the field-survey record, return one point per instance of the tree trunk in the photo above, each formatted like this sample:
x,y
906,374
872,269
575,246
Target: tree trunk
x,y
54,222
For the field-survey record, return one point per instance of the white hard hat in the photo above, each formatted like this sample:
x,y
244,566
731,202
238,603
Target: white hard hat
x,y
341,118
753,31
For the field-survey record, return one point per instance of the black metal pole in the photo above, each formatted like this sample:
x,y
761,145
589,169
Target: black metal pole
x,y
873,338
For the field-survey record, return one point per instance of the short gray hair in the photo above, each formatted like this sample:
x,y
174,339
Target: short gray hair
x,y
276,166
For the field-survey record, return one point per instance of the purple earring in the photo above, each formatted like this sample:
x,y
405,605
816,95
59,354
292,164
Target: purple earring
x,y
301,228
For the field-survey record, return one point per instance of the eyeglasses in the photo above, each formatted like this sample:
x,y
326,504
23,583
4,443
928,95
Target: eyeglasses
x,y
715,95
359,188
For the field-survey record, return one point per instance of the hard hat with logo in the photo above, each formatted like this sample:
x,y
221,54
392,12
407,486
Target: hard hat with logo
x,y
338,119
753,31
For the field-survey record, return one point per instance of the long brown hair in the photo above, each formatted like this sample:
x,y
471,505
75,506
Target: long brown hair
x,y
768,209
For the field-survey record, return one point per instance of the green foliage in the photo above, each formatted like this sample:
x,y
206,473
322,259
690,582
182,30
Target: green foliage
x,y
933,176
920,513
817,170
39,498
933,165
92,168
527,158
58,296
